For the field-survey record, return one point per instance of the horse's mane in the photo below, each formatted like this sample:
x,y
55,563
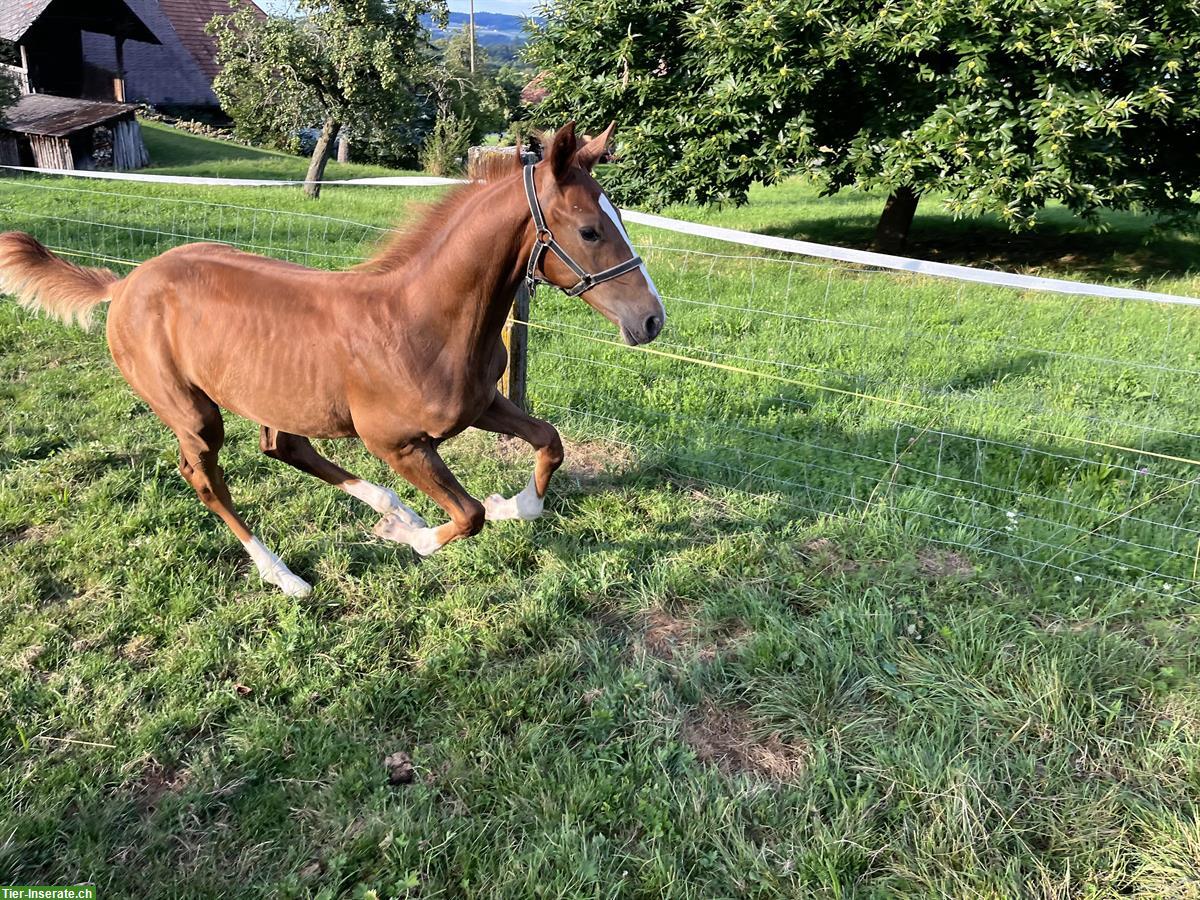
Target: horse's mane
x,y
400,246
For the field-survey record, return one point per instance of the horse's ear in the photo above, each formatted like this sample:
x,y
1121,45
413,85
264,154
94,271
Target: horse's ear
x,y
562,151
593,151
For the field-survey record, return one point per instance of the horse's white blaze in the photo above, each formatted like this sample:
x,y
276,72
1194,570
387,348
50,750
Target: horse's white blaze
x,y
273,570
611,212
525,505
394,527
382,500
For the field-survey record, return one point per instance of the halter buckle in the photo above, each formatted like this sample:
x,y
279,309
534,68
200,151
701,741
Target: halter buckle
x,y
543,240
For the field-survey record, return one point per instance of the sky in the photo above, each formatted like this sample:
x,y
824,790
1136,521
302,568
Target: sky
x,y
512,7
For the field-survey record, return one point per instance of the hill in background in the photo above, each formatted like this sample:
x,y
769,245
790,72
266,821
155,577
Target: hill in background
x,y
501,34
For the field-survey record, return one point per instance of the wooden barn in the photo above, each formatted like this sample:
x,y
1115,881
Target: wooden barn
x,y
52,125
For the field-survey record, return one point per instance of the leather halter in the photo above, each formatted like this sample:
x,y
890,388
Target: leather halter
x,y
543,240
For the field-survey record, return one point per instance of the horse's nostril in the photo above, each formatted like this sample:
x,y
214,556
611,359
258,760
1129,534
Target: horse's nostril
x,y
653,326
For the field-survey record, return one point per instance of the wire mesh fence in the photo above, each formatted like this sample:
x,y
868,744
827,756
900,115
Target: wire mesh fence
x,y
1054,432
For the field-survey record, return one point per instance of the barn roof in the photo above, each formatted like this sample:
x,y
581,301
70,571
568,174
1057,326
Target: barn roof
x,y
51,116
17,15
100,16
189,18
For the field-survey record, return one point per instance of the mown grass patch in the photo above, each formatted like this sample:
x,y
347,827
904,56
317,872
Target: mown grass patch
x,y
177,152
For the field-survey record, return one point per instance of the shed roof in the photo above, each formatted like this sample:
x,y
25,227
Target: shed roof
x,y
50,116
113,17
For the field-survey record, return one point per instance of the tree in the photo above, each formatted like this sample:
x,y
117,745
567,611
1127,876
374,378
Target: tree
x,y
472,97
359,63
1003,105
10,90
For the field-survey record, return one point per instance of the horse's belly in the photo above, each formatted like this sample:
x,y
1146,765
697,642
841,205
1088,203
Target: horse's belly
x,y
296,390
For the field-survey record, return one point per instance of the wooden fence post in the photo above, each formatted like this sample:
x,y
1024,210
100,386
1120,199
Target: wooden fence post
x,y
514,381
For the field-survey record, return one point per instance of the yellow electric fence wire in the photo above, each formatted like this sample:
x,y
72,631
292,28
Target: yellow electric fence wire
x,y
783,379
99,256
822,387
679,357
1118,518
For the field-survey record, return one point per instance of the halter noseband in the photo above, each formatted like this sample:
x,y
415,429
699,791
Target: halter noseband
x,y
543,240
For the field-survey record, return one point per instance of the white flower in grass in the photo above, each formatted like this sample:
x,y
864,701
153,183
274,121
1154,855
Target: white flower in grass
x,y
1079,579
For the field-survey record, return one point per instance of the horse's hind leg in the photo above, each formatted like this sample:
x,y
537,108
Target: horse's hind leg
x,y
298,452
198,425
505,417
420,464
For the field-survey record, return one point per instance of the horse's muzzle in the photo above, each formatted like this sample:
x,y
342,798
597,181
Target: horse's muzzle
x,y
643,332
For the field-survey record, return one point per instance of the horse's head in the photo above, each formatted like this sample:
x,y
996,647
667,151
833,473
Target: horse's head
x,y
586,225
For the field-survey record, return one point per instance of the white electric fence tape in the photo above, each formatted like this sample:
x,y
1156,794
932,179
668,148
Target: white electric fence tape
x,y
384,180
713,232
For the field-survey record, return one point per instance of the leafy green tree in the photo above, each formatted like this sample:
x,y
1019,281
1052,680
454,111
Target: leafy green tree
x,y
1003,105
475,98
362,64
10,91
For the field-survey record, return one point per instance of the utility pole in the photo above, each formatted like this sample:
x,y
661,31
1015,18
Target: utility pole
x,y
472,29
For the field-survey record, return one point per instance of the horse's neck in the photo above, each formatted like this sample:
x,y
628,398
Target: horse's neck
x,y
472,267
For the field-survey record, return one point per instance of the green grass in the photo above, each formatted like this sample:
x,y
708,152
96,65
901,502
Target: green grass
x,y
177,152
1123,247
744,654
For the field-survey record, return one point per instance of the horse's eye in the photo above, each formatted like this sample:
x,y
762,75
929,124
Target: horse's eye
x,y
589,234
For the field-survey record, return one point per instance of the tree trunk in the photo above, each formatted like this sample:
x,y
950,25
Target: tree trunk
x,y
344,150
320,157
891,234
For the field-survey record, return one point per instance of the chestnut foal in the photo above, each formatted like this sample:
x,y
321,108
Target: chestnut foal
x,y
402,352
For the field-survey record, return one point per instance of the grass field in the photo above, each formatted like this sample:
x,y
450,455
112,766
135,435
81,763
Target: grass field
x,y
891,624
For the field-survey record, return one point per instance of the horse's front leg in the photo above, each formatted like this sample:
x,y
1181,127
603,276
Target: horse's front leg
x,y
505,417
420,464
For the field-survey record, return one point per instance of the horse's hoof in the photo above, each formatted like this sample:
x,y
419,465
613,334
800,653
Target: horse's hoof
x,y
292,585
525,506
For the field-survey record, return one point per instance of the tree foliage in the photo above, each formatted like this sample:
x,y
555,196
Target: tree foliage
x,y
10,91
364,65
489,99
1003,105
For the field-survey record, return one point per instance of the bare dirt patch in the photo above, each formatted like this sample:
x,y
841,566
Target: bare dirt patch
x,y
23,661
583,461
158,782
725,738
939,563
667,637
828,558
25,534
138,648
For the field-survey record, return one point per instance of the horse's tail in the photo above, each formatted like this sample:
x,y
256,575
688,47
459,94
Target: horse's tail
x,y
42,281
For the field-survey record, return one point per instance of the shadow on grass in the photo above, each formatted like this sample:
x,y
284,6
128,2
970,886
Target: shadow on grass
x,y
531,705
1129,249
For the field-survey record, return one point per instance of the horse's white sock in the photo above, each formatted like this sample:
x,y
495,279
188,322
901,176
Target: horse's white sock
x,y
422,539
273,570
525,505
383,500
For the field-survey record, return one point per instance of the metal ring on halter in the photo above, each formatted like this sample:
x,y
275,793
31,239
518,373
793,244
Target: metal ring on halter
x,y
543,240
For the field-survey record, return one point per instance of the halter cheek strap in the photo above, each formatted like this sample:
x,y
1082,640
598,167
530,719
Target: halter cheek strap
x,y
543,240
